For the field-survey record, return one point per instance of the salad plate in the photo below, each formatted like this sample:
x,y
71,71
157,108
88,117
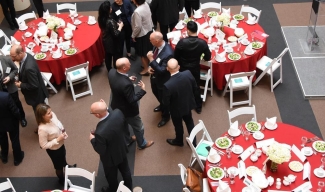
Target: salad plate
x,y
216,173
319,172
253,126
70,51
234,56
187,20
212,14
238,17
257,45
223,142
258,135
319,146
307,151
39,56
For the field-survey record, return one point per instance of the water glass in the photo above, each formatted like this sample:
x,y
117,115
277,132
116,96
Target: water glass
x,y
321,185
72,43
246,135
253,36
323,162
303,141
228,151
232,176
238,47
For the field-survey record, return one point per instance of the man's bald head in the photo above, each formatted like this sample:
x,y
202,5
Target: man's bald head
x,y
17,53
123,65
172,65
156,39
98,108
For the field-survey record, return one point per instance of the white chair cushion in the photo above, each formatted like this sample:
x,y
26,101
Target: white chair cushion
x,y
77,74
238,82
264,62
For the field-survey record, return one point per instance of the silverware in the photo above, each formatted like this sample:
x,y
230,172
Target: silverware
x,y
219,151
312,139
230,137
225,170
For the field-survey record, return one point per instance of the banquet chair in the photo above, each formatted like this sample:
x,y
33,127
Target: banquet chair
x,y
210,6
252,10
186,189
46,77
122,188
4,186
268,66
241,111
204,142
5,50
75,75
72,6
205,185
239,81
25,17
183,173
182,14
206,75
78,172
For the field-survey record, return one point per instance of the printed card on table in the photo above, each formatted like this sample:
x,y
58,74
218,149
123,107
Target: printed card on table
x,y
247,153
220,35
306,173
296,151
265,142
303,187
54,35
251,185
242,37
71,26
242,169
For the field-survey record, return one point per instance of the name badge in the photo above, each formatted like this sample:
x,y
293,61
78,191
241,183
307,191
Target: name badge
x,y
118,12
8,69
158,60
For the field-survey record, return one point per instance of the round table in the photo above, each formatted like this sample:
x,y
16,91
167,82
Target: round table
x,y
87,40
245,64
285,133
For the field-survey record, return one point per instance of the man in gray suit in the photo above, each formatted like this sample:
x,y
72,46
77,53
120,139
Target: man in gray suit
x,y
8,71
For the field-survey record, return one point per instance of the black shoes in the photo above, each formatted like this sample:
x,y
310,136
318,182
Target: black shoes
x,y
198,110
157,109
16,163
163,122
72,166
174,142
23,122
4,159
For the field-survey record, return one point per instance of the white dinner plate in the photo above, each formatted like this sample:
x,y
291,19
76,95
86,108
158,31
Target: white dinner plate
x,y
253,122
213,178
197,16
24,28
267,126
56,57
249,53
320,143
234,135
43,56
237,149
245,43
226,142
236,171
66,51
258,135
307,151
317,174
250,170
296,166
28,34
216,160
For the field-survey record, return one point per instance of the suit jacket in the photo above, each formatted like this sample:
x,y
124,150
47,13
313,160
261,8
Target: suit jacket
x,y
161,74
9,113
167,11
188,52
32,85
112,37
179,93
123,95
5,63
128,9
109,139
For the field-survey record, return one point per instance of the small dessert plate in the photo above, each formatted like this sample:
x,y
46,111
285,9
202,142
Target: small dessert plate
x,y
233,169
237,149
319,172
258,135
307,151
234,134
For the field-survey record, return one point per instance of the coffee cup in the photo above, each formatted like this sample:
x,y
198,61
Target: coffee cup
x,y
258,152
254,157
236,149
285,182
271,180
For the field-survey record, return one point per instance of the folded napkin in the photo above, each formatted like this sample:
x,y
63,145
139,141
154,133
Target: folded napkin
x,y
271,121
221,56
220,35
71,26
213,21
251,19
91,19
298,153
266,142
223,186
242,169
247,152
46,14
306,173
234,127
42,30
22,25
249,50
73,13
57,52
226,11
197,13
68,33
178,25
174,34
14,41
303,187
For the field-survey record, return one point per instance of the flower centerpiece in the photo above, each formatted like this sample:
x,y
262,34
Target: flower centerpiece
x,y
224,19
278,153
53,23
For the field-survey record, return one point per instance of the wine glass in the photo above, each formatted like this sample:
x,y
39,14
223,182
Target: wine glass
x,y
303,141
253,36
323,162
321,185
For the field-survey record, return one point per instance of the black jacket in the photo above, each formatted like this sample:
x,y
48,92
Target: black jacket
x,y
166,11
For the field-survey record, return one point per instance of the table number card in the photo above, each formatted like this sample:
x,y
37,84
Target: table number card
x,y
306,173
251,185
242,169
54,35
225,46
242,37
296,151
304,187
247,153
72,27
220,35
265,142
232,44
37,40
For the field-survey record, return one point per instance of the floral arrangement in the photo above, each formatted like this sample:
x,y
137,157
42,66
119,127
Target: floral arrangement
x,y
53,22
224,18
278,153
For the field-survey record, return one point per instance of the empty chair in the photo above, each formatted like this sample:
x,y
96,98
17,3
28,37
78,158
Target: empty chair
x,y
76,75
122,188
70,6
7,185
268,66
199,153
46,77
82,173
5,50
239,81
26,16
206,75
241,111
252,10
183,173
210,6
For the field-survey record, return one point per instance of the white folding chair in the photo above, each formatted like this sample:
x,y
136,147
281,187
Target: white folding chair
x,y
46,77
239,81
82,173
26,16
206,140
183,173
5,50
122,188
210,6
70,6
206,187
78,74
186,189
206,75
252,10
268,66
182,14
241,111
7,185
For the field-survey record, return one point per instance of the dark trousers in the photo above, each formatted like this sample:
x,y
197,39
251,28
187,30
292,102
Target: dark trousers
x,y
178,124
108,59
111,175
10,17
189,5
164,29
158,92
15,142
39,7
126,37
15,97
196,74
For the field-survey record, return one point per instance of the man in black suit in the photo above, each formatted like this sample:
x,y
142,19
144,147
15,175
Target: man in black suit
x,y
9,122
167,13
8,71
30,79
11,14
179,97
158,59
191,5
39,7
108,142
188,53
125,99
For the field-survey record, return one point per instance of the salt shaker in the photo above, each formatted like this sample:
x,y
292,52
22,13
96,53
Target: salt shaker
x,y
278,185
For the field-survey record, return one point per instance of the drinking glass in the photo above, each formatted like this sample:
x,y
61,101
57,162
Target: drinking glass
x,y
232,176
228,151
72,43
246,134
303,141
253,36
323,162
320,186
92,131
239,45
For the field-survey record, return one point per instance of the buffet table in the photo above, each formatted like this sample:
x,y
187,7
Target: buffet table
x,y
87,39
284,133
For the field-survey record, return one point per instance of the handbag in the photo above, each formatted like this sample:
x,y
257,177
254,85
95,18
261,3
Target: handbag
x,y
193,180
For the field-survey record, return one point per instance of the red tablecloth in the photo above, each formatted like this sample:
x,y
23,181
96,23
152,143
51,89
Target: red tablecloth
x,y
87,39
283,134
244,64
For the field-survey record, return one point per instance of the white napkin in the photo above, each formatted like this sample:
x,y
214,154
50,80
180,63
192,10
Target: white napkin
x,y
265,142
22,25
73,13
220,35
91,19
271,121
14,41
242,169
298,153
174,34
42,30
68,33
178,25
71,26
221,56
303,187
226,11
251,19
223,186
247,152
197,13
54,35
57,52
249,50
213,21
306,173
46,14
234,127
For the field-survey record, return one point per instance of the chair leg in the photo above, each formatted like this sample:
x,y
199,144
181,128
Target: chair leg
x,y
89,84
72,91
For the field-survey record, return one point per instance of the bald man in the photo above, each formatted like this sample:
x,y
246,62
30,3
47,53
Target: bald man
x,y
108,142
158,59
179,93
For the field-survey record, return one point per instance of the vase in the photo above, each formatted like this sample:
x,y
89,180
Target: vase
x,y
221,26
274,166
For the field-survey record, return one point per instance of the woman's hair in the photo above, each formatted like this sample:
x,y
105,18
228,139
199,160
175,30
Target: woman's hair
x,y
41,110
139,2
103,14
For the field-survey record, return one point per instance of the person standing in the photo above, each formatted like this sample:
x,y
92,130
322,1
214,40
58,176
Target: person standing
x,y
167,13
188,53
191,5
39,7
179,97
9,70
108,141
30,79
125,99
158,59
10,17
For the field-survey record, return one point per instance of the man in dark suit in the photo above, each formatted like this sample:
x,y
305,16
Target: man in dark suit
x,y
9,70
108,142
30,79
179,97
158,59
10,14
125,99
191,5
39,7
9,122
167,13
188,53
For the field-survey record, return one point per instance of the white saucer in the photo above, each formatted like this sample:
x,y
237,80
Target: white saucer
x,y
307,151
255,135
93,23
24,28
249,23
245,43
317,175
77,22
56,57
270,127
28,34
216,161
221,60
234,135
197,16
239,151
246,189
233,168
249,53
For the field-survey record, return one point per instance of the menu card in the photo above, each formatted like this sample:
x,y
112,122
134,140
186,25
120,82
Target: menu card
x,y
247,153
37,40
260,35
71,26
242,169
306,173
304,187
220,35
265,142
296,151
242,37
251,185
54,35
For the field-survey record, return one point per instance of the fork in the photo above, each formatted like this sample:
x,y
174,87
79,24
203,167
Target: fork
x,y
230,137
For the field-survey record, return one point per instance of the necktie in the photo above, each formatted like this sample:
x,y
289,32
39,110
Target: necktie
x,y
155,53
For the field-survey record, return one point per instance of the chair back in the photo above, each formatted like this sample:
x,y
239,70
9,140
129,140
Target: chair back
x,y
207,76
252,10
26,16
5,49
83,65
82,173
7,40
7,185
46,77
183,173
241,111
210,6
122,188
71,6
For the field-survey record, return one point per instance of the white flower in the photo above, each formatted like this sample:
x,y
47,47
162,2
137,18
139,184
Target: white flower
x,y
224,18
278,153
53,22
